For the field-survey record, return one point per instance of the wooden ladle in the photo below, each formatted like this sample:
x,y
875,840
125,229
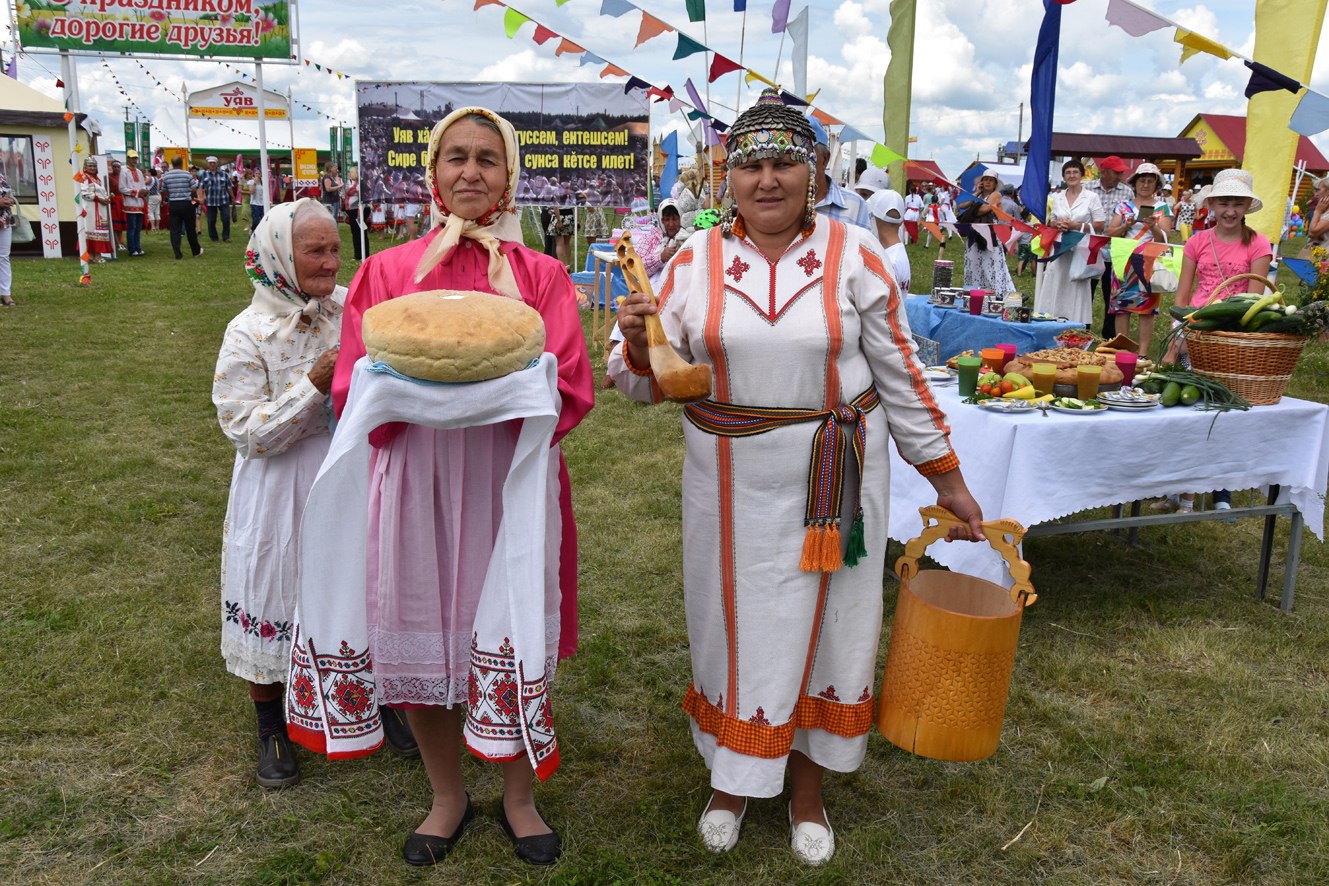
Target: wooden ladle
x,y
678,379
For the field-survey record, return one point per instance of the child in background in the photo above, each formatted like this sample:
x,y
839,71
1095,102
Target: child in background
x,y
887,210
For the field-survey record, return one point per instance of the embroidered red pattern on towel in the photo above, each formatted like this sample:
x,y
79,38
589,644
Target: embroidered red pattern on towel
x,y
506,716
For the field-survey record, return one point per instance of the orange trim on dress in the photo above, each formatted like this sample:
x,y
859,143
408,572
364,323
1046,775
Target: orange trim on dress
x,y
771,742
922,390
818,614
830,285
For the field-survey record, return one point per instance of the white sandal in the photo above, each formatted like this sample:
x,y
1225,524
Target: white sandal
x,y
814,844
719,829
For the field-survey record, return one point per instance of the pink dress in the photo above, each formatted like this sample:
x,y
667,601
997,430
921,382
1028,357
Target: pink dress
x,y
432,521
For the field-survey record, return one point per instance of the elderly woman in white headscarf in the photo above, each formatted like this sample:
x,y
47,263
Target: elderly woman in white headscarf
x,y
271,392
435,495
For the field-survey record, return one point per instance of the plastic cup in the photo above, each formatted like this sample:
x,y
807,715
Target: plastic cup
x,y
969,368
994,359
1009,350
1086,381
975,301
1126,363
1044,376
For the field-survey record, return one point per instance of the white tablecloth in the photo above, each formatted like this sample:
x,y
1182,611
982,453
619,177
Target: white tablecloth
x,y
1035,469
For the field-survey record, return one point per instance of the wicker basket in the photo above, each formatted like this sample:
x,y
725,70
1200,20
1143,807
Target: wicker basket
x,y
1255,365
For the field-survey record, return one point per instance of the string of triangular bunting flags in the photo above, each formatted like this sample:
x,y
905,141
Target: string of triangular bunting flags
x,y
652,26
1312,113
153,77
250,79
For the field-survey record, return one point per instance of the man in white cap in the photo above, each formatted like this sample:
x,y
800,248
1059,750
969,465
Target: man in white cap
x,y
134,188
887,210
872,180
216,188
832,200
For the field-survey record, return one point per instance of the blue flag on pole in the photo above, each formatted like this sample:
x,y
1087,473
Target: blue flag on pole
x,y
1042,99
668,175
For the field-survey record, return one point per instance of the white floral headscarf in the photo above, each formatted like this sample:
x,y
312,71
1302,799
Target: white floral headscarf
x,y
489,230
270,264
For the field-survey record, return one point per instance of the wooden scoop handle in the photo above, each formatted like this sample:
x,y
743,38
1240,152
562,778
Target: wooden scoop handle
x,y
679,380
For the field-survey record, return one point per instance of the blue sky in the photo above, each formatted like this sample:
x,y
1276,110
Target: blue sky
x,y
971,67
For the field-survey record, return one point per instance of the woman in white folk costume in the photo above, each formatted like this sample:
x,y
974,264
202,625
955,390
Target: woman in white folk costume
x,y
271,392
435,507
803,325
1073,209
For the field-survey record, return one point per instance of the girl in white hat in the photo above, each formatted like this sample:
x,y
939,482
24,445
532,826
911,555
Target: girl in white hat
x,y
1231,247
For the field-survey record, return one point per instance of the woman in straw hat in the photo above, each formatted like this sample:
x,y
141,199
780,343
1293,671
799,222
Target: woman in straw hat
x,y
1146,218
801,321
435,503
984,260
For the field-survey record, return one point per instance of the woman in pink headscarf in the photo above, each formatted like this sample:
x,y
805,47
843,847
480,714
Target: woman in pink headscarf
x,y
432,515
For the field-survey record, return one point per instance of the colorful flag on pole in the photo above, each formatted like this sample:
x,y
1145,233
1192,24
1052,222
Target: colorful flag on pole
x,y
899,85
686,47
1132,19
696,10
1286,35
1192,43
668,175
512,22
721,66
1266,79
650,27
798,32
1312,114
1042,100
779,16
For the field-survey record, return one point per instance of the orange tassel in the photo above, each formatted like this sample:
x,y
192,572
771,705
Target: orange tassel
x,y
812,542
830,549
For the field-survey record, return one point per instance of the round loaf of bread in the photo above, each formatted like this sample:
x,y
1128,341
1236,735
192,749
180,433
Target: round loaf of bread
x,y
442,335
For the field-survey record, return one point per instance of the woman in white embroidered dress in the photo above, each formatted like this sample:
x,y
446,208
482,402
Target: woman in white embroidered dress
x,y
1073,209
271,392
790,310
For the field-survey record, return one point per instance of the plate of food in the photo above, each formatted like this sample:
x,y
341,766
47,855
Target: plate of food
x,y
940,375
997,404
1076,406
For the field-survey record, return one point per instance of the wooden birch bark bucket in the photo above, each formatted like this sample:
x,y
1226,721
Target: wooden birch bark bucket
x,y
952,648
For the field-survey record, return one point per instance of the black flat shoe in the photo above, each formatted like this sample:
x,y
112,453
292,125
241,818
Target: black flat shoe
x,y
423,850
397,733
540,849
277,766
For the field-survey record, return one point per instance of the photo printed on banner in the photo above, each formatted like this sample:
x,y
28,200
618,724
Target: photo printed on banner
x,y
582,144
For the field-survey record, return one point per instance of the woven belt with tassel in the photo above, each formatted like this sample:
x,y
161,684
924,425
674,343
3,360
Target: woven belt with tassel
x,y
821,545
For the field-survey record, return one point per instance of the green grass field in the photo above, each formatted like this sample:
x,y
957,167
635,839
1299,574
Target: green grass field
x,y
1163,727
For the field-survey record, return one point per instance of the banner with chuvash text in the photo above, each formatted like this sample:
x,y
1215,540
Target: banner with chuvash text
x,y
582,144
306,167
250,29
